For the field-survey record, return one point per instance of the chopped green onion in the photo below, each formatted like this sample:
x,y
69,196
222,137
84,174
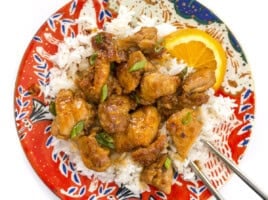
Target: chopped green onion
x,y
77,129
186,119
167,163
104,93
183,72
138,65
92,58
158,46
52,108
135,97
99,38
112,66
104,139
158,49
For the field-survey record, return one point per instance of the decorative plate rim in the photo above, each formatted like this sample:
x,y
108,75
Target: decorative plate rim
x,y
23,99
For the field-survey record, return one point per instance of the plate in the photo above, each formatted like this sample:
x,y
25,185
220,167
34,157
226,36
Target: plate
x,y
33,119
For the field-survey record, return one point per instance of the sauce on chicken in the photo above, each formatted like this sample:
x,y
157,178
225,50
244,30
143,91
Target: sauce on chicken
x,y
121,101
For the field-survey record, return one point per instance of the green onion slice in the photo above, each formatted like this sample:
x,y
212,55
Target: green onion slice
x,y
99,38
112,66
135,97
158,46
52,108
167,163
93,58
138,65
104,139
186,119
183,72
104,93
158,49
78,128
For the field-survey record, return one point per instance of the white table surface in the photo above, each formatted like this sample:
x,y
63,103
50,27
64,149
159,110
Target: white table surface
x,y
21,19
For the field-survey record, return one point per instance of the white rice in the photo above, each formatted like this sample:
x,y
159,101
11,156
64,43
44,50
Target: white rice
x,y
72,56
120,26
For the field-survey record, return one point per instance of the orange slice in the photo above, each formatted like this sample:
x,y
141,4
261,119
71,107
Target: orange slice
x,y
199,50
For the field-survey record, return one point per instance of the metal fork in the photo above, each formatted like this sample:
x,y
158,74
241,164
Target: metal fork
x,y
232,166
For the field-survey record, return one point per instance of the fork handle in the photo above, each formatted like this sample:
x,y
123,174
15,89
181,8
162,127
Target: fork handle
x,y
205,180
236,170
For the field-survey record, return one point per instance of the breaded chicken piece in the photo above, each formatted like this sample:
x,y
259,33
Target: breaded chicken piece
x,y
94,156
184,127
70,110
199,81
155,85
114,113
141,130
128,79
92,80
148,155
159,175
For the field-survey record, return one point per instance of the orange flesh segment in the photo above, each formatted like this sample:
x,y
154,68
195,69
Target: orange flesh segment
x,y
199,50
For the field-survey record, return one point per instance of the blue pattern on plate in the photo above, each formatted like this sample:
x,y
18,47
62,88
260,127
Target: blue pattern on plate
x,y
192,9
235,44
189,9
124,193
73,7
244,142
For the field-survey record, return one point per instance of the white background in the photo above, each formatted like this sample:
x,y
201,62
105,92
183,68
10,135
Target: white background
x,y
21,19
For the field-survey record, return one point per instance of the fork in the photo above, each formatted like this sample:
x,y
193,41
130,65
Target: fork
x,y
229,164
